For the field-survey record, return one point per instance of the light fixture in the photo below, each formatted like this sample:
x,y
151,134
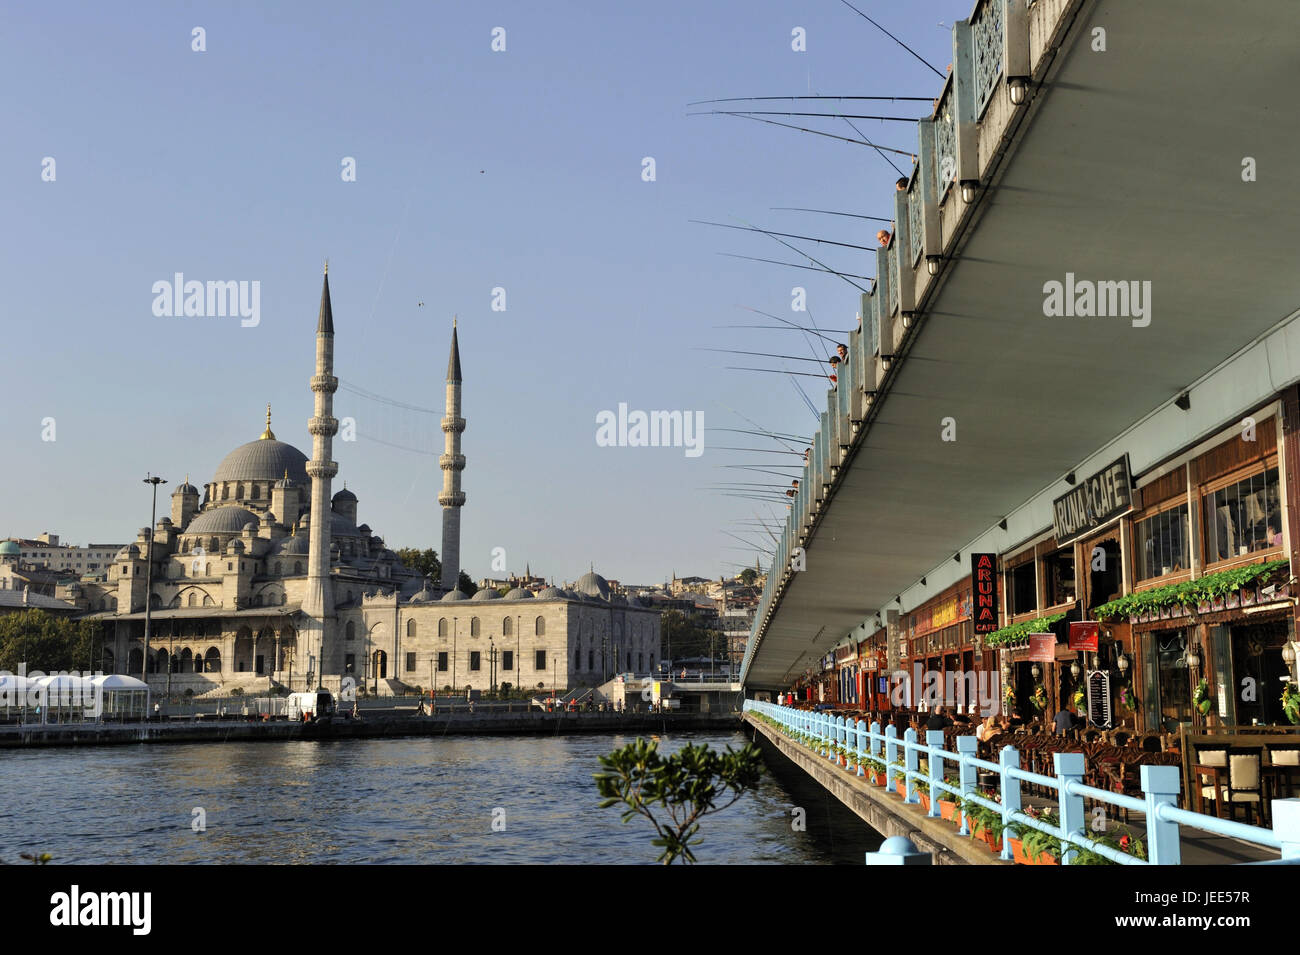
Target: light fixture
x,y
969,189
1122,663
886,361
1193,657
1036,670
1183,401
870,398
1069,478
1288,654
909,319
922,581
1003,523
898,600
1018,90
957,557
933,263
1074,669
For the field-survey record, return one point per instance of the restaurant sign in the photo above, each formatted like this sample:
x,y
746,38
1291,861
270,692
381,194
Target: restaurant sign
x,y
1097,500
984,587
1099,714
1083,635
1042,647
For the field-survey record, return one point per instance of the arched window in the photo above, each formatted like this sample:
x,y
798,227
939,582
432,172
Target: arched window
x,y
539,627
442,627
506,625
283,599
473,626
225,492
155,601
239,490
257,493
410,629
212,661
297,567
577,659
207,601
257,600
629,659
640,662
277,569
351,632
591,659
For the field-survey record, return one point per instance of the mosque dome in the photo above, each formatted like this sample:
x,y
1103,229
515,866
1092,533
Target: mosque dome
x,y
593,585
486,593
9,549
294,545
454,595
552,593
186,488
518,593
229,519
129,552
344,495
426,594
265,459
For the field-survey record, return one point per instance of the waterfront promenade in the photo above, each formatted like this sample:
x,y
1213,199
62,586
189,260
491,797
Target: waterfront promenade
x,y
392,723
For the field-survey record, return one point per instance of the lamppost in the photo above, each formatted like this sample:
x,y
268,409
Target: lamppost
x,y
148,575
492,665
455,630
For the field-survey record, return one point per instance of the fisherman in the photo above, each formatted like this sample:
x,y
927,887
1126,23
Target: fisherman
x,y
883,238
843,352
835,364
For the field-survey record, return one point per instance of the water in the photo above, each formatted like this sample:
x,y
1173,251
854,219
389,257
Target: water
x,y
423,800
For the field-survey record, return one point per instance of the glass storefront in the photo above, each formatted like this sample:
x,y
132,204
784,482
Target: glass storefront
x,y
1168,692
1243,517
1259,672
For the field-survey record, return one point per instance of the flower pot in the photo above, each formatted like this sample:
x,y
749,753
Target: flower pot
x,y
1232,600
925,799
947,809
1203,606
1017,848
1216,603
877,779
1249,596
1166,613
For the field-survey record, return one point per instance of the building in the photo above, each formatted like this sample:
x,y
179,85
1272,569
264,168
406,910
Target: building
x,y
45,552
1038,466
265,578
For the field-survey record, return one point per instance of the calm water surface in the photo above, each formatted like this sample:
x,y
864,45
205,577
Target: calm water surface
x,y
382,801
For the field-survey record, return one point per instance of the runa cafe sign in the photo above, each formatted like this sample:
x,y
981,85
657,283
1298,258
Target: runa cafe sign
x,y
1095,501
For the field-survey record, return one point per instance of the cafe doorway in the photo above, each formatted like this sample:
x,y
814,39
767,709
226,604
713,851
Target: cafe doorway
x,y
1259,673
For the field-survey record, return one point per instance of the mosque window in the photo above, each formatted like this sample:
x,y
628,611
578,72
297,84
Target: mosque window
x,y
350,632
577,659
539,659
640,662
442,662
297,567
410,663
410,629
591,659
475,660
277,568
507,659
257,493
473,626
239,490
505,627
192,599
225,492
257,601
539,627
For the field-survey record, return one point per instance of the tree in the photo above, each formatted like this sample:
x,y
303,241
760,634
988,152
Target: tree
x,y
687,784
48,643
466,586
425,561
687,636
748,576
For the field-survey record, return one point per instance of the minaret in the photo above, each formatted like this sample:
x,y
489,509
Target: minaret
x,y
452,463
318,600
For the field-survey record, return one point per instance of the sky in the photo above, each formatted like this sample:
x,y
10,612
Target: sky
x,y
522,169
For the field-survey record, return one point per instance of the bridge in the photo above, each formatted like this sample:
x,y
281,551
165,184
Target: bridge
x,y
943,806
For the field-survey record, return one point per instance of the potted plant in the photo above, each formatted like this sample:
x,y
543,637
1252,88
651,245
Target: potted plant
x,y
1039,698
1291,702
1119,837
1201,698
1037,847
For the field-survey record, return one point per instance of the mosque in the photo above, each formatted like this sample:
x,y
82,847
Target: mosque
x,y
264,579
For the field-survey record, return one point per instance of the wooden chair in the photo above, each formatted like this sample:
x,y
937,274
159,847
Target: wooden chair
x,y
1242,784
1121,737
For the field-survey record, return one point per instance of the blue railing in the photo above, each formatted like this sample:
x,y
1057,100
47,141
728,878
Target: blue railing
x,y
902,755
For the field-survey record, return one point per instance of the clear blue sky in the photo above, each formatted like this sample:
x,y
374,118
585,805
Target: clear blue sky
x,y
475,169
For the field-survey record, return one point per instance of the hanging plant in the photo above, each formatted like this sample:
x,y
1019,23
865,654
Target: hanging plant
x,y
1039,698
1291,702
1126,699
1202,697
1008,698
1080,697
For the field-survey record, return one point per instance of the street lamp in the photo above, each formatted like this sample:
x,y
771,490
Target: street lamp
x,y
148,575
1122,663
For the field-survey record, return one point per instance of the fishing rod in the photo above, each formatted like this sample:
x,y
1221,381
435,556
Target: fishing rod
x,y
891,36
804,395
759,450
778,371
752,99
757,425
788,235
792,328
774,112
817,332
851,215
815,132
748,467
761,354
770,434
793,265
773,236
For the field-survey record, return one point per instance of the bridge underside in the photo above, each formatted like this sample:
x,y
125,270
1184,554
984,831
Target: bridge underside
x,y
1129,166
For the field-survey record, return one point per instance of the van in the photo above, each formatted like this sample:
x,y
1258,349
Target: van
x,y
312,705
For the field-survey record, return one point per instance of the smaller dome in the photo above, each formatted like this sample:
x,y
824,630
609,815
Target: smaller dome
x,y
426,595
593,585
295,545
9,549
236,546
250,527
186,488
519,593
454,595
486,593
286,481
129,552
344,495
364,529
552,593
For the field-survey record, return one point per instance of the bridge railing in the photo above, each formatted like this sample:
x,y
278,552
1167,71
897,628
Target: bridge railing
x,y
823,733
